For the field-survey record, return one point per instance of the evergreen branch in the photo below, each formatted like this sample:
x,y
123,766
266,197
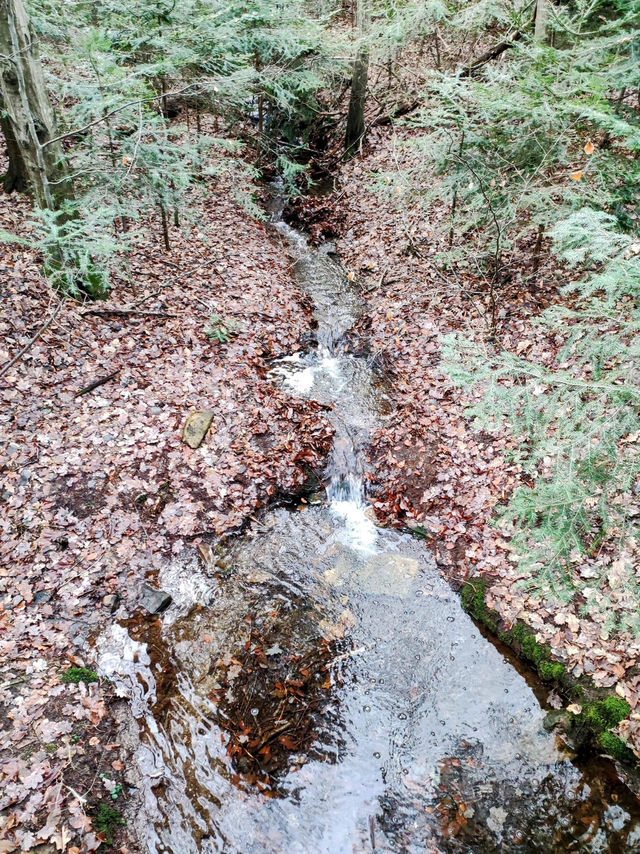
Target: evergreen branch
x,y
558,379
139,101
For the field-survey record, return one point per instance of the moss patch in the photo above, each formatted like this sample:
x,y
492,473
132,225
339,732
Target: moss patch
x,y
590,730
607,713
80,674
523,639
108,820
593,725
617,748
473,596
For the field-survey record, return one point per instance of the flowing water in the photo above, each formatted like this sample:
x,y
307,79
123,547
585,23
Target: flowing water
x,y
317,688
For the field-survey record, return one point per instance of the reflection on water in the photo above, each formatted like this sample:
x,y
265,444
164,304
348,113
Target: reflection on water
x,y
329,694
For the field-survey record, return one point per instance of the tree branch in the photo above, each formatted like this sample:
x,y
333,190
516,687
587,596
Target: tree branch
x,y
33,340
490,55
119,109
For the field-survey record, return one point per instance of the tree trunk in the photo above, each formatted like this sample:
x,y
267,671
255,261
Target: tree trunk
x,y
30,121
359,82
542,16
15,177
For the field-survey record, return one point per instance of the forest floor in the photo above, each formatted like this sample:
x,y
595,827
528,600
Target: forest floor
x,y
430,470
99,490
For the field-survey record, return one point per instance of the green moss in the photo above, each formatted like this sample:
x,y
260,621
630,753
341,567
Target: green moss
x,y
591,728
80,674
419,532
605,714
552,671
616,747
108,820
519,637
473,597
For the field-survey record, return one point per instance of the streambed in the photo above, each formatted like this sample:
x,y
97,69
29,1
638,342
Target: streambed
x,y
316,686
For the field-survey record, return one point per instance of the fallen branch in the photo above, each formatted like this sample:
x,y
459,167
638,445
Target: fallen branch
x,y
398,111
125,312
97,383
119,109
33,340
494,53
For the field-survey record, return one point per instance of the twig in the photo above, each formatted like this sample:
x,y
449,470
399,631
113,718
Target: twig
x,y
144,299
33,340
118,110
125,312
80,798
97,383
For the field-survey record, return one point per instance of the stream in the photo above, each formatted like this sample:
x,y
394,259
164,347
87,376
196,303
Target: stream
x,y
316,687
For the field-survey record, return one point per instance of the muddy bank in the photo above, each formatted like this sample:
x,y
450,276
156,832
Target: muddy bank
x,y
99,490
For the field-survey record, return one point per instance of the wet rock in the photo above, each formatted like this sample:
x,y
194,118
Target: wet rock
x,y
329,248
111,601
556,719
382,574
196,427
154,600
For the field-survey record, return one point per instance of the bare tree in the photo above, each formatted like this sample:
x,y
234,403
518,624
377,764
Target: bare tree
x,y
542,17
28,121
359,82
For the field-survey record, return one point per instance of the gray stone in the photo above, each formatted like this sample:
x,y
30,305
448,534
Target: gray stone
x,y
329,248
42,596
556,719
111,601
154,600
196,427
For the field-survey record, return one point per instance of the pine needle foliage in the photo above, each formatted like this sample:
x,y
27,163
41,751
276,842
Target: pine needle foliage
x,y
130,74
518,139
549,138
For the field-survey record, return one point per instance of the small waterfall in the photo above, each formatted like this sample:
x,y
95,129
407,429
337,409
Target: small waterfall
x,y
330,374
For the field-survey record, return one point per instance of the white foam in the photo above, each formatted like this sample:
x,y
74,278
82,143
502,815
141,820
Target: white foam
x,y
127,664
301,382
359,532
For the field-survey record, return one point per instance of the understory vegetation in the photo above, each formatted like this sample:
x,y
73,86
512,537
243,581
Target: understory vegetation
x,y
134,85
528,149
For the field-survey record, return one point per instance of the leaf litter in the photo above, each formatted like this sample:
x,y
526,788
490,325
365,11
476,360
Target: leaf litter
x,y
98,489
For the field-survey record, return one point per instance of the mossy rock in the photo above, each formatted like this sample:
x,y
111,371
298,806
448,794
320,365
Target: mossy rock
x,y
607,713
593,725
473,597
616,748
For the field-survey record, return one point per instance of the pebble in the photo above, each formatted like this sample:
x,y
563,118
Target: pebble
x,y
154,600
